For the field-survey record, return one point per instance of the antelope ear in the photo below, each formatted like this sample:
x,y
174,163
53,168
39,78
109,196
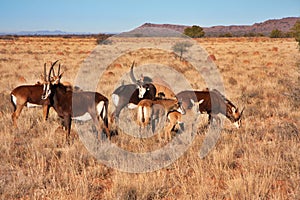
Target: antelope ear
x,y
192,101
142,78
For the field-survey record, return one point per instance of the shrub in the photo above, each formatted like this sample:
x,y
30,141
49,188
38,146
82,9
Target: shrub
x,y
181,47
295,32
194,32
102,39
276,34
226,35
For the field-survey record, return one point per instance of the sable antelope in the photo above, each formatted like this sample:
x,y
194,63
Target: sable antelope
x,y
162,91
212,103
153,110
132,94
30,96
81,105
54,78
65,83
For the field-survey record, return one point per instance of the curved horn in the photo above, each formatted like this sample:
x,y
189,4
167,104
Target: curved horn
x,y
131,73
45,79
51,68
58,70
242,111
54,70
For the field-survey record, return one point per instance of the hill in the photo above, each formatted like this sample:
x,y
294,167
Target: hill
x,y
265,27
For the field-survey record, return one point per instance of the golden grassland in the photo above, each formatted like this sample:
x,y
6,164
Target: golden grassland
x,y
258,161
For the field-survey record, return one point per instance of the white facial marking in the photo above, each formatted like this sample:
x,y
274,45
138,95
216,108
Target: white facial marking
x,y
181,111
47,91
142,91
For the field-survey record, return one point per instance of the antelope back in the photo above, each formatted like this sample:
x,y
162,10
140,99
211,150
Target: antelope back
x,y
164,92
170,104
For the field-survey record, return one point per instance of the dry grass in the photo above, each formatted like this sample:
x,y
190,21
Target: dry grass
x,y
259,161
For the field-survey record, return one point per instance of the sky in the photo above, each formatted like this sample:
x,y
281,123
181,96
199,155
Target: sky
x,y
116,16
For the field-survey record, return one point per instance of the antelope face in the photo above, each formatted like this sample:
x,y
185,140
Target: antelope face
x,y
55,79
237,117
46,91
180,108
195,105
238,123
142,90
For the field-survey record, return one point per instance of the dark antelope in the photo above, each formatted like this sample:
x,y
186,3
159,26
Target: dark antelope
x,y
80,105
30,96
162,90
212,103
132,94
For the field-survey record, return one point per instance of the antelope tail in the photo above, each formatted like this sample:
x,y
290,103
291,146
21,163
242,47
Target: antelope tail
x,y
144,110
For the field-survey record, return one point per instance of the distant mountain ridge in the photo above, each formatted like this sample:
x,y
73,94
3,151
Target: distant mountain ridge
x,y
266,27
42,32
45,33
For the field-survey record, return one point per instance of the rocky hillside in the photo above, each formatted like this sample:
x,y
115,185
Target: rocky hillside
x,y
265,27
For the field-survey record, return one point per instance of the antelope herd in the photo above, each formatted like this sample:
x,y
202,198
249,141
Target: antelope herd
x,y
152,101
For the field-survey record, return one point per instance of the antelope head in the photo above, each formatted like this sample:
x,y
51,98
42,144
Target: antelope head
x,y
180,107
236,116
140,83
55,79
195,105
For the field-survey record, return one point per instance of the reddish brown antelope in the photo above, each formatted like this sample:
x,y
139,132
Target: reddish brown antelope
x,y
153,110
30,96
80,105
174,122
212,103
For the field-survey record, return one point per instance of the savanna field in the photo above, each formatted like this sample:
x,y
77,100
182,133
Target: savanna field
x,y
260,160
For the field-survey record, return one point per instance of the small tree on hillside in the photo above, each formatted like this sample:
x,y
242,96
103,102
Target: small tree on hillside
x,y
295,31
276,34
194,32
